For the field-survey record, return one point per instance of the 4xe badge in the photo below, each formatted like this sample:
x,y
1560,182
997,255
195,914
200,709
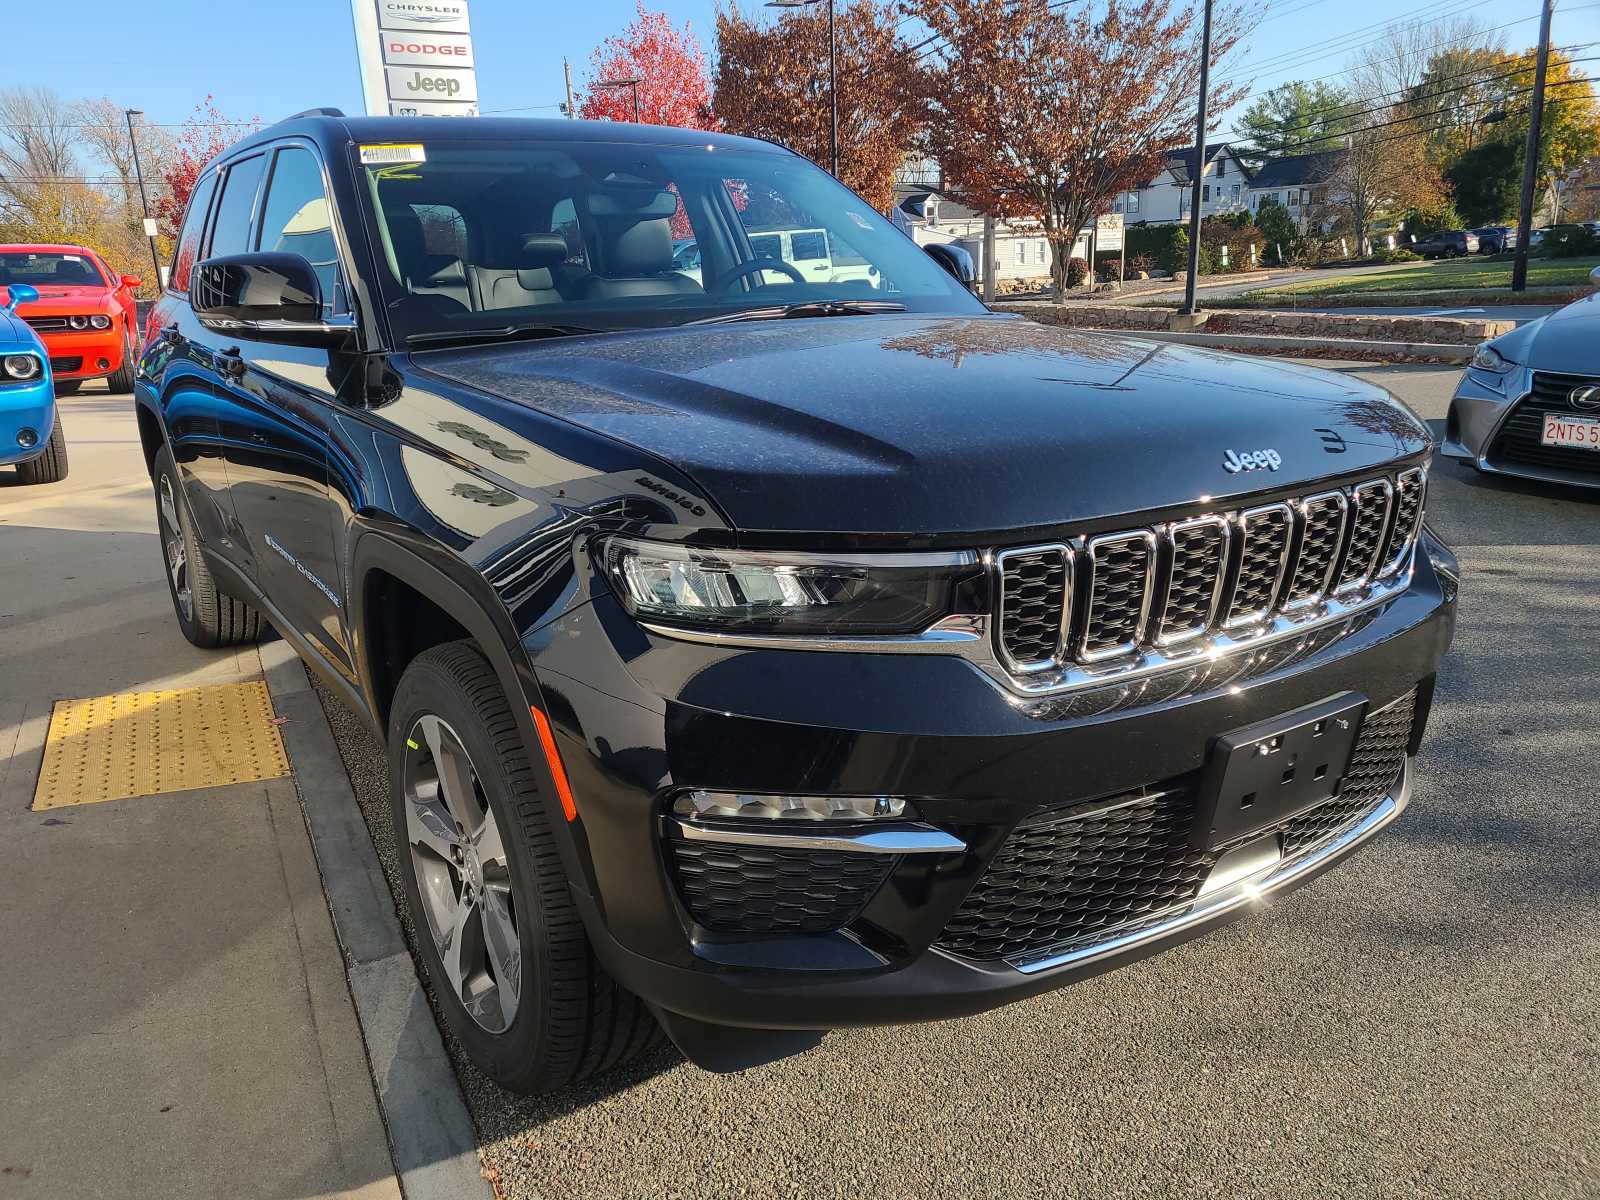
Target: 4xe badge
x,y
1251,460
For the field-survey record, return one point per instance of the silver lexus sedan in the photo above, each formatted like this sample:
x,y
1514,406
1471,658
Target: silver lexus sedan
x,y
1529,402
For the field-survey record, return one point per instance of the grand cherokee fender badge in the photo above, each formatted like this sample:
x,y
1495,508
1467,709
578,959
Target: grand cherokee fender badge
x,y
1251,460
1587,398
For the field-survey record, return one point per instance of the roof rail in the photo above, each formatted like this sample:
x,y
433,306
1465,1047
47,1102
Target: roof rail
x,y
316,112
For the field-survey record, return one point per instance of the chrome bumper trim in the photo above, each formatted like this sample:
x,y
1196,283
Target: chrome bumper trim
x,y
1276,878
901,837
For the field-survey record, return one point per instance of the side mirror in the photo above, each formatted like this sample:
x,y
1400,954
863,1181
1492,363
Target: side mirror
x,y
132,281
19,293
269,296
958,262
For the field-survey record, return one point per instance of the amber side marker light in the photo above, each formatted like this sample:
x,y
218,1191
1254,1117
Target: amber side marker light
x,y
547,742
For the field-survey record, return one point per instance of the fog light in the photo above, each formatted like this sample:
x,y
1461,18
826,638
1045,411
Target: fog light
x,y
103,364
765,807
27,438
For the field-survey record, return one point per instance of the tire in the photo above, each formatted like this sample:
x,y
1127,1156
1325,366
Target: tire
x,y
51,466
553,1016
209,618
68,387
121,380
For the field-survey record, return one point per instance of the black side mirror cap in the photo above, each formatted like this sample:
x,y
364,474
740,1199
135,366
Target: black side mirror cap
x,y
958,262
269,296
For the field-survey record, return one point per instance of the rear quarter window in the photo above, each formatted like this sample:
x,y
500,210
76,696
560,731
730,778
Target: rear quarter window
x,y
194,223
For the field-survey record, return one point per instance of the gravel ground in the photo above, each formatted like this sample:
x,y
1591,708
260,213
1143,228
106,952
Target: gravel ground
x,y
1423,1021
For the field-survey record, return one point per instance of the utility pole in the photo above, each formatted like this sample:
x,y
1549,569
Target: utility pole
x,y
1189,307
988,259
1530,166
566,67
144,201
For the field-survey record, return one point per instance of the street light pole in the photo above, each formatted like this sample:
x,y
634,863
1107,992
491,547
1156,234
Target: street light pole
x,y
1189,306
833,77
144,201
1530,165
627,83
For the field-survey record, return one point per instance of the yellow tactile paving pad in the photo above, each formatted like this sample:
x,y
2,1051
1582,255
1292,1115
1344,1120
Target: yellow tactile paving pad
x,y
146,743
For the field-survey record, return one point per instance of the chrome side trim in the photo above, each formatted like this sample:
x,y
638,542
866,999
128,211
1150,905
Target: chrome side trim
x,y
901,837
1093,550
1169,535
953,635
1360,494
1278,877
1064,626
1236,620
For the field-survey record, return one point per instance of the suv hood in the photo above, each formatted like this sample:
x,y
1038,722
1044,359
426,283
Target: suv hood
x,y
911,424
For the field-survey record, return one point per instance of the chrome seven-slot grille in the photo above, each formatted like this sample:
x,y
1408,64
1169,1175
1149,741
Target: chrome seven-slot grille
x,y
1064,880
1169,586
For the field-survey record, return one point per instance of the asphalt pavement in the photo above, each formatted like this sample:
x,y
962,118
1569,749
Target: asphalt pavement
x,y
1422,1021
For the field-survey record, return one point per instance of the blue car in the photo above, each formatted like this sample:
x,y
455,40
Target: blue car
x,y
30,435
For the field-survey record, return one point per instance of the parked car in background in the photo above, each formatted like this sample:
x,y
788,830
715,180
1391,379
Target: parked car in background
x,y
811,251
1529,402
30,435
1496,239
85,312
1452,243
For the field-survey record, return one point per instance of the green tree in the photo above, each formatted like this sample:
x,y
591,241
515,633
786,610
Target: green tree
x,y
1278,231
1486,181
1297,118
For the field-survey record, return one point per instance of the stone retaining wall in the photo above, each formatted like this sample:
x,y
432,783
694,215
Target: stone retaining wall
x,y
1437,330
1475,297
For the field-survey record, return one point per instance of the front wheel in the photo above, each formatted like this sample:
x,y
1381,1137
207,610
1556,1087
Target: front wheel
x,y
51,466
496,926
121,380
209,618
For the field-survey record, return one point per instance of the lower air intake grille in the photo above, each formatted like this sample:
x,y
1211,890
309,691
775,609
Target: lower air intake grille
x,y
67,364
1063,881
755,890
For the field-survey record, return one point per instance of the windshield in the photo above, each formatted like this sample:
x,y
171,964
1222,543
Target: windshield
x,y
48,269
485,235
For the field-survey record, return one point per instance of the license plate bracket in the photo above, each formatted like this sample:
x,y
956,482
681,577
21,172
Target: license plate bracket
x,y
1260,776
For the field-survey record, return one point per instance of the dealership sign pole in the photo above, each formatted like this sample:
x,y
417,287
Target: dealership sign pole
x,y
416,58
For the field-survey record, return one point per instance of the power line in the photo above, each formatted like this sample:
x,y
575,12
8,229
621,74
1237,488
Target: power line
x,y
1435,10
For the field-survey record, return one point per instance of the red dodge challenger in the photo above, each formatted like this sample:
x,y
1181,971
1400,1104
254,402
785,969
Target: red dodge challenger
x,y
85,312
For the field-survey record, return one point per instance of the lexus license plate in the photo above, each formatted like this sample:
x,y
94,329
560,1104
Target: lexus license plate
x,y
1258,777
1571,433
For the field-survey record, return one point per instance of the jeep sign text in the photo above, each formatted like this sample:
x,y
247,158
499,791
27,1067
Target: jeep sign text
x,y
413,83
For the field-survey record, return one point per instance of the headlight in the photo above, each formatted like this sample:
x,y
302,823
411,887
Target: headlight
x,y
1487,358
777,592
100,321
21,366
78,322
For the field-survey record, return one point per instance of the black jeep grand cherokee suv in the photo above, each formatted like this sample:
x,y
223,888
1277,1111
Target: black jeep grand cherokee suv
x,y
786,643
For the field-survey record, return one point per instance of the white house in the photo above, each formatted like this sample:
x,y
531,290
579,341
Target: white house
x,y
1225,188
1298,182
1021,250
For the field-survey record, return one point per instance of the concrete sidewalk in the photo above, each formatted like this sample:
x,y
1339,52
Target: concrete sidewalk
x,y
177,1021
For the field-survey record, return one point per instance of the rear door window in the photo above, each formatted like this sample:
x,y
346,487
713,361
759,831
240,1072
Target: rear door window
x,y
194,224
230,233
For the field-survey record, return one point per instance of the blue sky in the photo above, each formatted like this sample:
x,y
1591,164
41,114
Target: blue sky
x,y
269,60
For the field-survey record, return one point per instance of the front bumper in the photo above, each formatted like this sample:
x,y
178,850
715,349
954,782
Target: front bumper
x,y
1480,429
26,406
89,354
640,717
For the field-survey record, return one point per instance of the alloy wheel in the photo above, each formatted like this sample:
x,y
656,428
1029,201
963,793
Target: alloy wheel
x,y
459,861
174,549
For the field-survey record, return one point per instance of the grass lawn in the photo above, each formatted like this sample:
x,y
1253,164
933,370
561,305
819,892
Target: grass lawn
x,y
1446,274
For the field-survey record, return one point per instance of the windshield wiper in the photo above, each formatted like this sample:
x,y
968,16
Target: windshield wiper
x,y
807,308
495,333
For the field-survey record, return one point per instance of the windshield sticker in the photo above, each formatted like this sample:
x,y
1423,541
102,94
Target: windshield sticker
x,y
395,152
858,219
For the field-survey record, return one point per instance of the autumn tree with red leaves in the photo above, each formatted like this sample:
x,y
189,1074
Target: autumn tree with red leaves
x,y
772,82
668,63
1047,112
204,135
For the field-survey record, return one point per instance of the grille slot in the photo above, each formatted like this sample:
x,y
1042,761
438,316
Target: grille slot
x,y
47,324
1369,522
1121,566
1518,444
66,363
1263,559
1066,880
1410,491
1321,531
757,890
1035,606
1198,564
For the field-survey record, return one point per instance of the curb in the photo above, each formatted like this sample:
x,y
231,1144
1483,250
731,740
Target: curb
x,y
1305,347
431,1137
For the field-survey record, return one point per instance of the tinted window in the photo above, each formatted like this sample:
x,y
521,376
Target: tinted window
x,y
194,223
295,218
44,268
230,232
809,245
